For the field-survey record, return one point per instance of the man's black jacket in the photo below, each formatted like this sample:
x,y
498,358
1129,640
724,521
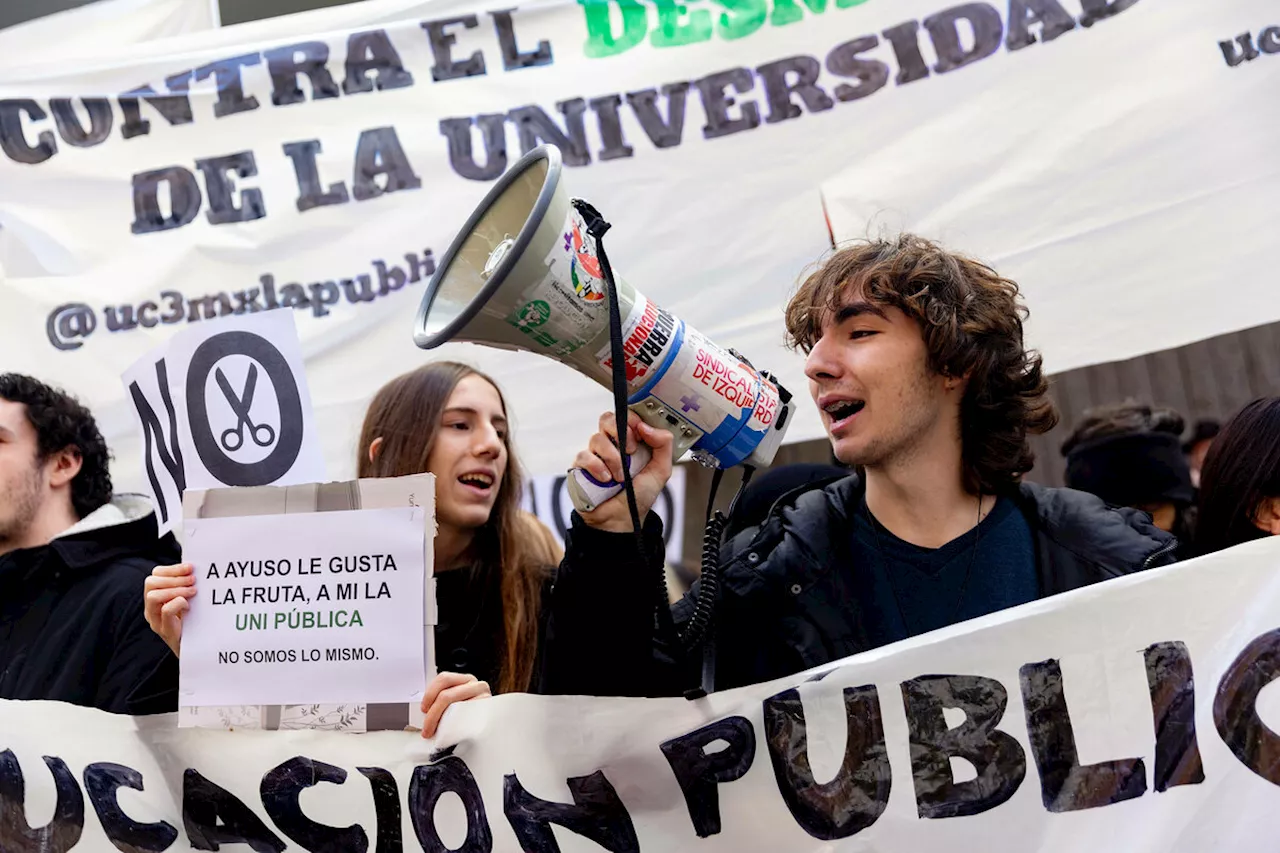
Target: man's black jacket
x,y
71,622
787,599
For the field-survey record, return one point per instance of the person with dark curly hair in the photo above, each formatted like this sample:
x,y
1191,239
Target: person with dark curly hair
x,y
73,560
916,362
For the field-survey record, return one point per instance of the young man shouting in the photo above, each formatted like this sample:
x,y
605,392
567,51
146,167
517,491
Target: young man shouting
x,y
917,364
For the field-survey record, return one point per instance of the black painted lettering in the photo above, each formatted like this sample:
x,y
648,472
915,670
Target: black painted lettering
x,y
371,53
944,30
1235,711
1099,10
75,133
432,781
1246,52
379,155
997,758
442,42
533,126
221,189
615,144
1066,785
1173,712
1049,14
845,60
103,782
1269,40
803,72
208,307
285,64
597,813
512,57
184,199
716,102
174,107
493,130
213,816
700,772
226,76
63,830
310,193
905,39
662,132
386,806
13,138
859,793
280,788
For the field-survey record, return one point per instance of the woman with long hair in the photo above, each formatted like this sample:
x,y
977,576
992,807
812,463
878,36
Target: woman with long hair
x,y
491,562
1240,480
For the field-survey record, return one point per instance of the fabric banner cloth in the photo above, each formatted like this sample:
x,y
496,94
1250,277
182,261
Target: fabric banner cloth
x,y
1131,715
1115,156
100,27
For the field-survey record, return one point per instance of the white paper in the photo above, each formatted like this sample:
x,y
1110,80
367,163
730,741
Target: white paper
x,y
358,574
236,410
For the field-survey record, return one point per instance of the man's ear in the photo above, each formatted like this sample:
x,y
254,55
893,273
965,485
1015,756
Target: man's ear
x,y
63,466
374,447
1267,516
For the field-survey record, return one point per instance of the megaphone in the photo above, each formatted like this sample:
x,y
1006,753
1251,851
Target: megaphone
x,y
525,274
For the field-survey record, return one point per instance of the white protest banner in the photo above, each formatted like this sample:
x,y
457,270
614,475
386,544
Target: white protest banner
x,y
225,403
548,499
1132,715
307,608
326,170
98,27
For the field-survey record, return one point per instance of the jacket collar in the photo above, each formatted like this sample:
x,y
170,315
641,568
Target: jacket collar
x,y
1117,539
124,527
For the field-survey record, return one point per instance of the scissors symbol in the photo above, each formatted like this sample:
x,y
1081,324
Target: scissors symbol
x,y
233,439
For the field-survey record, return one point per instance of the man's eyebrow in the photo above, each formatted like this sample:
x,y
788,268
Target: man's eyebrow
x,y
857,309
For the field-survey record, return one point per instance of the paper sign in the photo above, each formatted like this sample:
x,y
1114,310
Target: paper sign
x,y
314,607
225,403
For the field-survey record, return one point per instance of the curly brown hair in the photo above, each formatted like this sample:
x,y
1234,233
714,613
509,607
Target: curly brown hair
x,y
971,320
62,423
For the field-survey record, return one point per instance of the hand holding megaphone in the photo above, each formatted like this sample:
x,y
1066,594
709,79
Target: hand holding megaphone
x,y
526,272
597,473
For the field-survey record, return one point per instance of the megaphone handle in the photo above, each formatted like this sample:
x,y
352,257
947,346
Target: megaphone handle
x,y
587,492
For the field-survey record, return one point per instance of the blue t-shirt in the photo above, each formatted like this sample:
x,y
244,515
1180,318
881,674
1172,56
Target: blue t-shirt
x,y
909,590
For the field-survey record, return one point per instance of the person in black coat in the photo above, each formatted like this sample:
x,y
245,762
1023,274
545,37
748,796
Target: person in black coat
x,y
916,362
73,560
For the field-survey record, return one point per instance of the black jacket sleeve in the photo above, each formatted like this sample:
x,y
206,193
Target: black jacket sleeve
x,y
140,662
601,636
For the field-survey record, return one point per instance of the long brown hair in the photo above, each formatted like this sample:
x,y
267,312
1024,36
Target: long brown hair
x,y
405,414
971,319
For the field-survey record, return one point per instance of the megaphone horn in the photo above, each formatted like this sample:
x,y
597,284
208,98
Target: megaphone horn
x,y
524,274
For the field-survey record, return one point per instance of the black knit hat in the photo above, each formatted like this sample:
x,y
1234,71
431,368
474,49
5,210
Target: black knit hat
x,y
1132,469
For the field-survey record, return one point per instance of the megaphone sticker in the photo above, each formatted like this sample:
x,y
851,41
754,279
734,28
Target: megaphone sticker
x,y
646,336
584,267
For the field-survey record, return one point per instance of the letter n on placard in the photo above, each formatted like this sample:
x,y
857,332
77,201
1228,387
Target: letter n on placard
x,y
147,388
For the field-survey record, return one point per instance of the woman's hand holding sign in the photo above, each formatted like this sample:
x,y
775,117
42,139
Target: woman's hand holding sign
x,y
166,599
445,689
